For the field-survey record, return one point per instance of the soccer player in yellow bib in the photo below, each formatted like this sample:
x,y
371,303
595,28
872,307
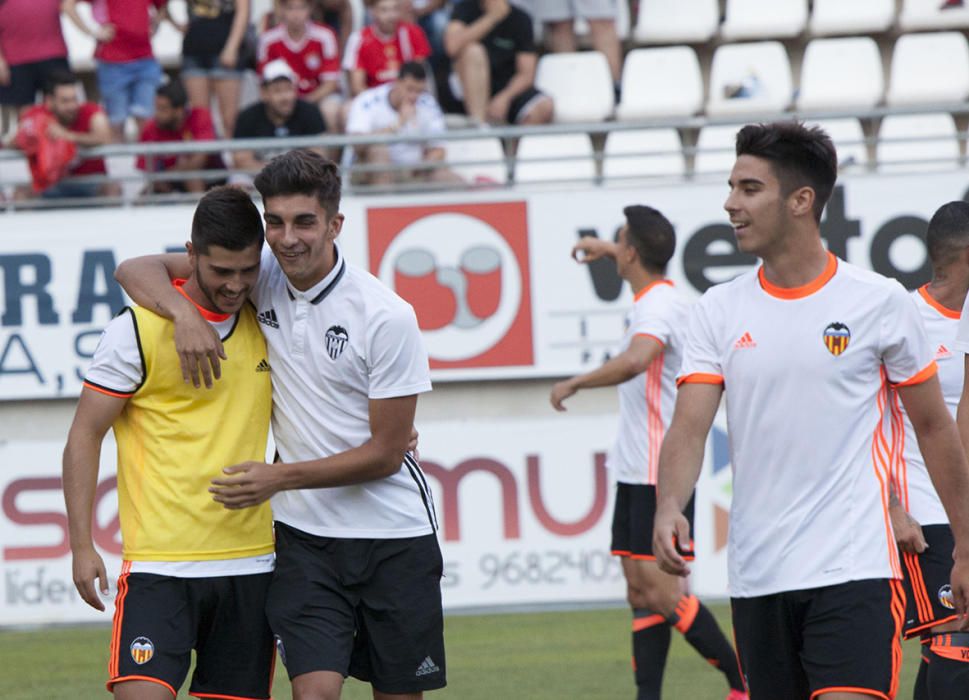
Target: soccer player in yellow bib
x,y
195,575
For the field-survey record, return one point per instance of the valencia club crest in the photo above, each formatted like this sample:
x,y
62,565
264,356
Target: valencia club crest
x,y
836,338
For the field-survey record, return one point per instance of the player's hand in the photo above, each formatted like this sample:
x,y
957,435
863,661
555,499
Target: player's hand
x,y
87,566
589,248
199,349
908,532
960,590
670,527
104,33
560,392
246,485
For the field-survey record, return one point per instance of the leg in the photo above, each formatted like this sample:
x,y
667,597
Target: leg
x,y
377,695
946,664
141,690
540,111
561,36
606,40
474,72
197,89
767,631
379,155
651,630
227,92
318,685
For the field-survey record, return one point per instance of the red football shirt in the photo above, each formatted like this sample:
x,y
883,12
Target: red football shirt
x,y
315,58
381,56
198,126
82,125
132,28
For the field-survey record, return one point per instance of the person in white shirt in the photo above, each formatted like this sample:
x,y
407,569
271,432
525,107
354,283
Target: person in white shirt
x,y
806,347
645,372
356,589
403,107
918,518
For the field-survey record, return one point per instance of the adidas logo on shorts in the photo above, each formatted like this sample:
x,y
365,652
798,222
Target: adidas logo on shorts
x,y
268,318
427,667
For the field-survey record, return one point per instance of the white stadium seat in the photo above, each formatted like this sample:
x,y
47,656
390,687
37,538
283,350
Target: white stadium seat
x,y
936,149
928,14
478,161
572,158
559,74
762,19
661,82
849,142
764,71
642,153
716,148
851,17
929,68
676,21
841,74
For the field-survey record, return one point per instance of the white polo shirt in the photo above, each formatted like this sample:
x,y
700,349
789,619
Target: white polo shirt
x,y
918,495
646,401
332,349
371,111
806,373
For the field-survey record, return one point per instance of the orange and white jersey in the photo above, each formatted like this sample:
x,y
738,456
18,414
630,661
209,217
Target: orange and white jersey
x,y
806,373
646,401
915,487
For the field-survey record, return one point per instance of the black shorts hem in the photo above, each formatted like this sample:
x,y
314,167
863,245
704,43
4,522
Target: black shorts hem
x,y
846,689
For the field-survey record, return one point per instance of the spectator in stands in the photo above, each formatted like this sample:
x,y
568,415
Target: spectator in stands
x,y
375,54
126,67
492,48
336,14
280,113
312,51
83,123
32,48
176,121
432,16
403,107
559,18
211,55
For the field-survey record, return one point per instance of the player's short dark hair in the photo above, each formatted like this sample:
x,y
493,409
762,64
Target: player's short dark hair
x,y
800,156
174,92
651,234
56,79
412,69
301,171
948,232
227,217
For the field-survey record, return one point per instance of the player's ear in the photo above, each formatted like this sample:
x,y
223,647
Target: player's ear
x,y
334,226
801,201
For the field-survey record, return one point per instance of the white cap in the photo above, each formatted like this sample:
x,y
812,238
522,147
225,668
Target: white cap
x,y
276,69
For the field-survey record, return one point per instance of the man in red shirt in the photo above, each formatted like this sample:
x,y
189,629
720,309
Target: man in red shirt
x,y
313,52
31,49
83,123
176,121
126,68
375,54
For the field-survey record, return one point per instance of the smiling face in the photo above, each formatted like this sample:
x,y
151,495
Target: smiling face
x,y
757,206
301,236
223,277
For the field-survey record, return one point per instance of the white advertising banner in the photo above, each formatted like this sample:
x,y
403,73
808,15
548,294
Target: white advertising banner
x,y
524,518
489,273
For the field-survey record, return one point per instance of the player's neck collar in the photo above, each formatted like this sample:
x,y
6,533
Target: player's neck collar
x,y
805,289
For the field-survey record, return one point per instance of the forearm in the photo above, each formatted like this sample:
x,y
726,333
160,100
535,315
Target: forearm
x,y
87,140
614,371
190,162
327,87
246,160
69,8
147,282
680,462
518,84
962,421
240,20
82,455
369,462
946,462
460,35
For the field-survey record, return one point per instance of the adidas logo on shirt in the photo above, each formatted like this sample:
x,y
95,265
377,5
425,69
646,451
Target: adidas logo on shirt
x,y
263,366
745,342
427,666
268,318
942,353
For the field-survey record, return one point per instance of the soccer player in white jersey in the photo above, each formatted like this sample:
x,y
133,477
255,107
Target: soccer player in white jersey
x,y
356,589
645,372
806,347
921,528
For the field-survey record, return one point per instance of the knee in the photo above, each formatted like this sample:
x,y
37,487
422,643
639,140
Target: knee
x,y
472,56
541,113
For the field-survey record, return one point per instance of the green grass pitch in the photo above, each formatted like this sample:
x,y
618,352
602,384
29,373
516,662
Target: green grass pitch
x,y
532,656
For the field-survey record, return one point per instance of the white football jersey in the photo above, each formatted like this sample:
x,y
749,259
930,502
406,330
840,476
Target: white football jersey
x,y
646,401
917,493
806,374
332,349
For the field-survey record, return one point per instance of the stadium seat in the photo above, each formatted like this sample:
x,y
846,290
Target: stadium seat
x,y
478,161
854,17
762,19
642,153
760,72
929,68
580,83
676,21
849,142
716,149
572,158
661,82
928,14
936,149
841,74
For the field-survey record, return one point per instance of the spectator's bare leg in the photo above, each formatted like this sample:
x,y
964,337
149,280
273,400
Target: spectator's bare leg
x,y
439,174
560,36
474,72
379,155
227,93
540,113
606,40
335,115
195,186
